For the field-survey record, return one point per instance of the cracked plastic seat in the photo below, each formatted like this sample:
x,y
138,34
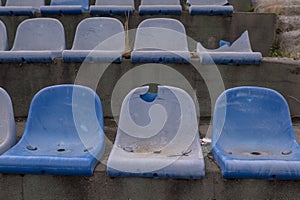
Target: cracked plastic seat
x,y
209,7
21,7
113,7
3,37
154,42
253,135
8,136
58,7
97,39
37,40
239,52
155,7
63,134
157,136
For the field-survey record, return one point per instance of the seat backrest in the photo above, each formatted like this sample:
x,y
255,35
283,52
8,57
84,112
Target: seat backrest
x,y
115,2
84,3
208,2
64,111
8,136
160,2
101,33
251,116
40,34
151,122
3,37
33,3
161,34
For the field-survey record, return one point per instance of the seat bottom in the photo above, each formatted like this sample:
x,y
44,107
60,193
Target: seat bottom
x,y
47,165
146,165
261,167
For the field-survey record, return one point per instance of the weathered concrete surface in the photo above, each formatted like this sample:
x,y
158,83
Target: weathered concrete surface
x,y
205,29
241,5
290,43
288,29
22,81
100,186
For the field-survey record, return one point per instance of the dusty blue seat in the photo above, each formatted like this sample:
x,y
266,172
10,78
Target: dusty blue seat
x,y
155,7
58,7
8,136
209,7
36,40
113,7
253,135
97,39
21,7
63,134
239,52
154,42
3,37
157,136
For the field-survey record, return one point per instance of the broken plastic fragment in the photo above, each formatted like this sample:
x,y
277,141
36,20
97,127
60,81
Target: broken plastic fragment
x,y
205,141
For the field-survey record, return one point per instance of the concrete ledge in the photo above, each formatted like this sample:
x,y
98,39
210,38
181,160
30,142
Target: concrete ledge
x,y
22,81
205,29
100,186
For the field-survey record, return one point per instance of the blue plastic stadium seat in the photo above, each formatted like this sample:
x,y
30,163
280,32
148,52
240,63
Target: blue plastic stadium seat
x,y
157,136
63,134
154,42
58,7
8,136
155,7
21,7
253,135
113,7
209,7
3,37
37,40
97,39
239,52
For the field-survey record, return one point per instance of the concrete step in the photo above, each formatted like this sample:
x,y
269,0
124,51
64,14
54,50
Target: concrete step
x,y
290,42
288,28
282,7
100,186
290,10
23,81
288,23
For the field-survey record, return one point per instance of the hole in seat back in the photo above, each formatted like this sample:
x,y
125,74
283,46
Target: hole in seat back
x,y
148,126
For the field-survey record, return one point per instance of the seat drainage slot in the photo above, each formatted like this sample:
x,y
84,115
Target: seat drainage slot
x,y
286,152
31,148
255,153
